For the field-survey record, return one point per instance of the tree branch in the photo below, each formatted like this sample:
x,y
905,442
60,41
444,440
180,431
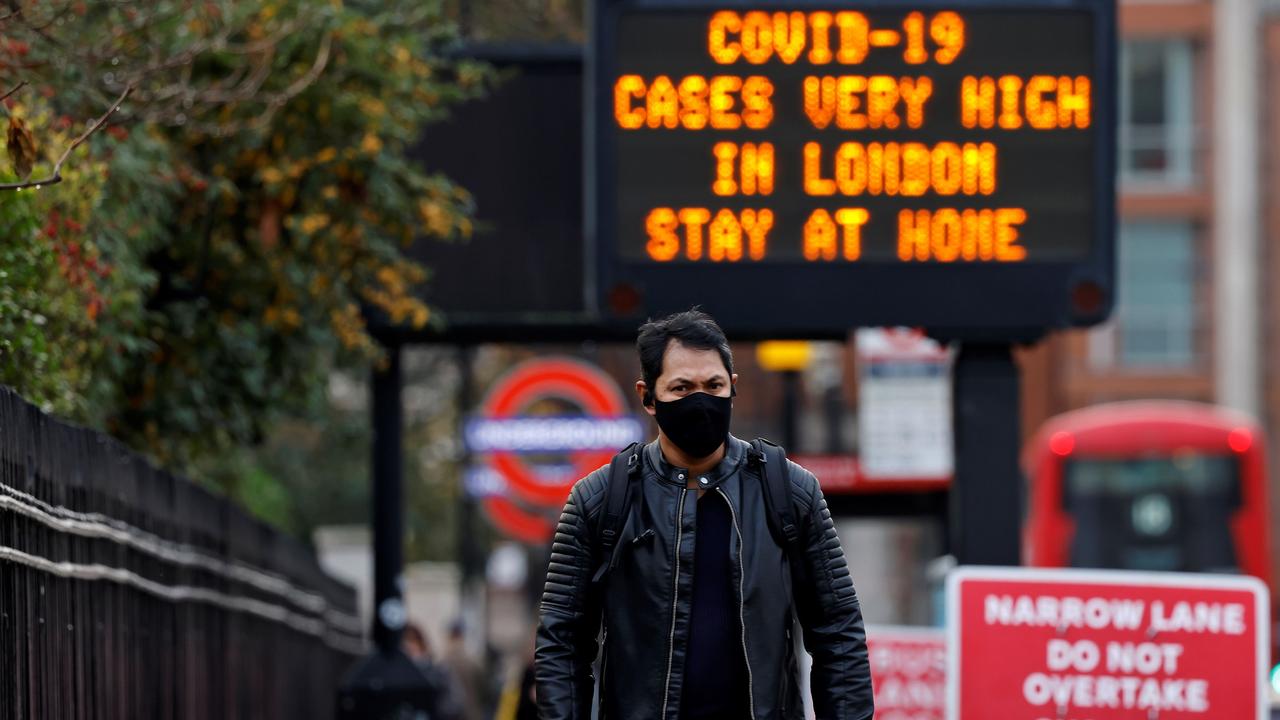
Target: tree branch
x,y
56,176
15,89
275,101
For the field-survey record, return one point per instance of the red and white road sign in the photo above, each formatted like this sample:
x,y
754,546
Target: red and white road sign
x,y
908,672
1037,644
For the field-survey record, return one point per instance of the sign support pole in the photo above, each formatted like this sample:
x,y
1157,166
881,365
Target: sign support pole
x,y
790,409
466,503
388,503
386,683
986,506
472,608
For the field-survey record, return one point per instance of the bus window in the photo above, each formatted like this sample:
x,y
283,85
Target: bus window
x,y
1168,513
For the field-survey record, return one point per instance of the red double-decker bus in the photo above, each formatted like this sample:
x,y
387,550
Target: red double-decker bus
x,y
1151,485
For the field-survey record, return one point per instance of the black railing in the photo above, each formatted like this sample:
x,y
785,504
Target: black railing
x,y
126,592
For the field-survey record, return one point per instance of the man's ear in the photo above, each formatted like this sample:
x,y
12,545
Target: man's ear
x,y
646,397
733,385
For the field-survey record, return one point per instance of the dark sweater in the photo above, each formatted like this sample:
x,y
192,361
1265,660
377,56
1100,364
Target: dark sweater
x,y
715,678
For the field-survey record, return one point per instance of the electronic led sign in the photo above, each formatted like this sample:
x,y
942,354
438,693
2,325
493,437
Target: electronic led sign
x,y
941,165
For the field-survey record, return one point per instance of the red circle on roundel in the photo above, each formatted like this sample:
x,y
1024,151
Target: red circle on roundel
x,y
596,393
527,527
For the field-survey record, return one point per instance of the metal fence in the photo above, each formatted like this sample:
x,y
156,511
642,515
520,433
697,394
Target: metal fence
x,y
126,592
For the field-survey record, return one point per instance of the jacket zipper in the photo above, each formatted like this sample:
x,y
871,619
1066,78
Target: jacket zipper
x,y
604,664
675,591
742,601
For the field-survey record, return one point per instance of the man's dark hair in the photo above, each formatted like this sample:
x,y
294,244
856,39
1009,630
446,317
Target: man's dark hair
x,y
693,328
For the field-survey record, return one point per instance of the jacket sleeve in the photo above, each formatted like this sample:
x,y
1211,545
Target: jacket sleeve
x,y
828,610
568,617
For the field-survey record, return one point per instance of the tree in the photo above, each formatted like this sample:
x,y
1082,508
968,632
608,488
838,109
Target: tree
x,y
249,197
54,284
520,20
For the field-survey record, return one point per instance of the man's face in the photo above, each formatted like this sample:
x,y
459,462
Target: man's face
x,y
686,370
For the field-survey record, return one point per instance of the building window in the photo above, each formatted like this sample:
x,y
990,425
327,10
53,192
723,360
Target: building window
x,y
1157,128
1156,318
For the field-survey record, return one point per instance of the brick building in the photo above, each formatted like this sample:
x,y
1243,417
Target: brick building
x,y
1199,138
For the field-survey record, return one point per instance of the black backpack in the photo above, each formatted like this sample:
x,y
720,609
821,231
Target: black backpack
x,y
769,462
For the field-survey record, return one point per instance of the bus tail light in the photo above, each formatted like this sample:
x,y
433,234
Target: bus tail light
x,y
1062,443
1240,439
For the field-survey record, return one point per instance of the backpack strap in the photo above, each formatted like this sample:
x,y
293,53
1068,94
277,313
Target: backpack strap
x,y
771,463
624,466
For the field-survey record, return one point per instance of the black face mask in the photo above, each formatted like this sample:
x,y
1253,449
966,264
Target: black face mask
x,y
697,423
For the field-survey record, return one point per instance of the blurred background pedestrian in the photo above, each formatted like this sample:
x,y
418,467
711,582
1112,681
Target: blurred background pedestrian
x,y
417,646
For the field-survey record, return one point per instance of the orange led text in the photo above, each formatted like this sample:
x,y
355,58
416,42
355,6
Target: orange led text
x,y
695,234
747,169
857,102
908,169
694,102
826,234
845,37
1042,102
950,235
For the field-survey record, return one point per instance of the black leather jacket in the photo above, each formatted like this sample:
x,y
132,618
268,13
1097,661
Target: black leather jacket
x,y
644,601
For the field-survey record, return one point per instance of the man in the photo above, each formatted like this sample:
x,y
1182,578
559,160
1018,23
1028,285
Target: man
x,y
696,598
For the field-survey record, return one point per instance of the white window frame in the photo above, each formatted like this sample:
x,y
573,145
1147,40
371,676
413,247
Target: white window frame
x,y
1178,135
1105,352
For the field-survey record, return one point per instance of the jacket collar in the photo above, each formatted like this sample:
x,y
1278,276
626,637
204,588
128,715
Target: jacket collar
x,y
734,456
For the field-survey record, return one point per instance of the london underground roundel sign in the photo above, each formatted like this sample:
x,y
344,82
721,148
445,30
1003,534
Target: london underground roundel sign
x,y
516,443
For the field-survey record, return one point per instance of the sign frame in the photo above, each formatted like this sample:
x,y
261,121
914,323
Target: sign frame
x,y
1244,583
978,301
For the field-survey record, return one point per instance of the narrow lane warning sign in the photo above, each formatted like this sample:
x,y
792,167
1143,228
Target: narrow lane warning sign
x,y
1036,644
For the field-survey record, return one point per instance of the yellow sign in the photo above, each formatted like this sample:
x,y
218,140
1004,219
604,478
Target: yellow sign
x,y
784,355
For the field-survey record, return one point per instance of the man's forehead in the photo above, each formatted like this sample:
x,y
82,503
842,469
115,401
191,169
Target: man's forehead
x,y
681,361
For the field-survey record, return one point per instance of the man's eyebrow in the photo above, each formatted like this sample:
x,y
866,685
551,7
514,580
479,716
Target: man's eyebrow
x,y
722,377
